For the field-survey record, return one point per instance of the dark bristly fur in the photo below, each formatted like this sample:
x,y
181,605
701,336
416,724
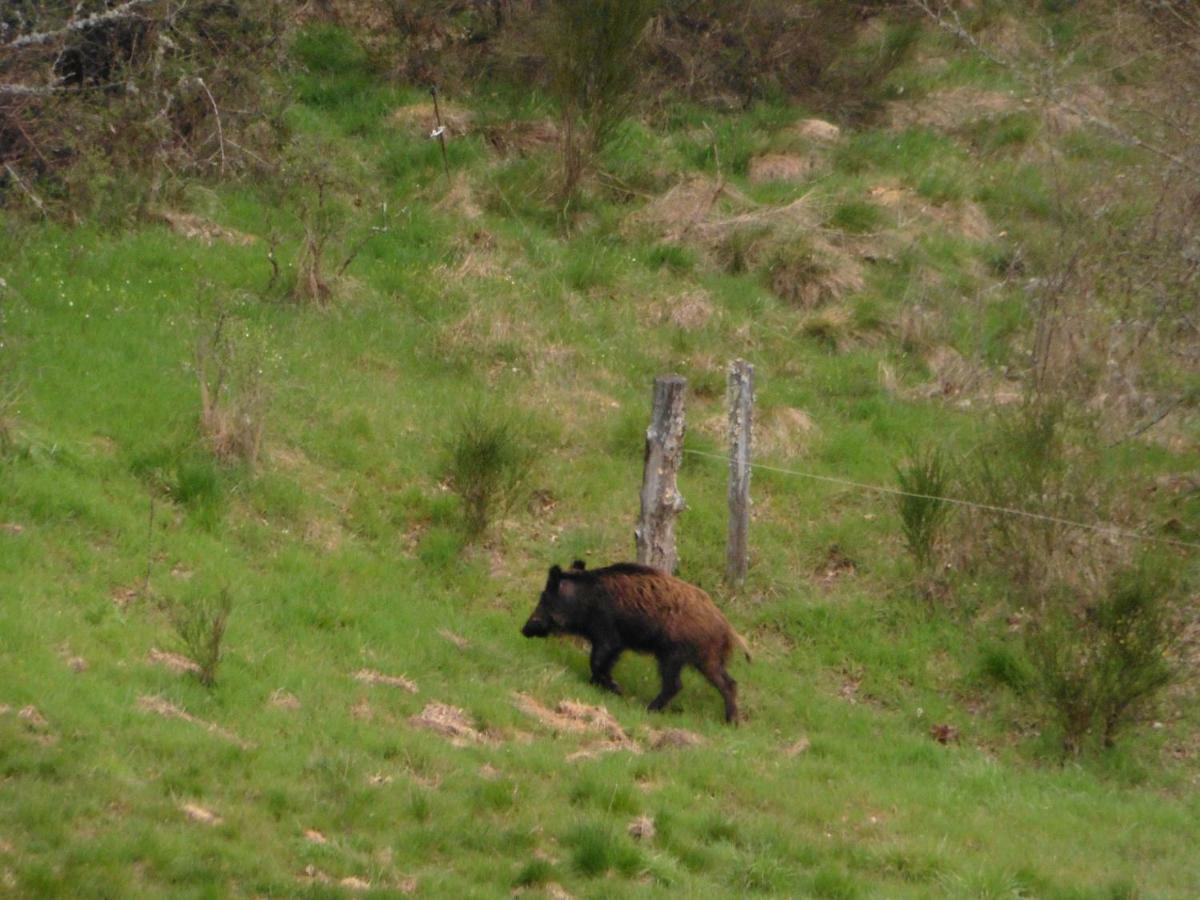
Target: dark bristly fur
x,y
631,607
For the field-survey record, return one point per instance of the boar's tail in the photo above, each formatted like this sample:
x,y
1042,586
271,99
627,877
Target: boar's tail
x,y
745,647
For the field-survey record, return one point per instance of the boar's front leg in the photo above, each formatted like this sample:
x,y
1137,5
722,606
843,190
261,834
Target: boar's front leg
x,y
604,657
669,667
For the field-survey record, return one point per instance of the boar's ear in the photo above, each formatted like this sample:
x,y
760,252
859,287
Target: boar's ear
x,y
554,578
578,566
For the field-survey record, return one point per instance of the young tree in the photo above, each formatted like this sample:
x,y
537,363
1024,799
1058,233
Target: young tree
x,y
591,47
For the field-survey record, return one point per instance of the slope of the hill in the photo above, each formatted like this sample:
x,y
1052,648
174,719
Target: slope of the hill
x,y
377,723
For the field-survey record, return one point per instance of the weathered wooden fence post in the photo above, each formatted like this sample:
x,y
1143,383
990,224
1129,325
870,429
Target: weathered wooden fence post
x,y
661,501
741,416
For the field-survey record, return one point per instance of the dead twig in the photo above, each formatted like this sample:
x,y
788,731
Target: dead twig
x,y
217,114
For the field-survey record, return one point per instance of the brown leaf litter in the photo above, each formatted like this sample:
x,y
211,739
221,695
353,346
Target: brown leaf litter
x,y
172,661
315,837
200,229
168,710
198,813
452,723
369,676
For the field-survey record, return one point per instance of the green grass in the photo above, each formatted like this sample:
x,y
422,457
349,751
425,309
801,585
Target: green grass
x,y
343,550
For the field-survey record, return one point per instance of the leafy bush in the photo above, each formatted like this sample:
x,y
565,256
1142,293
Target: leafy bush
x,y
488,464
591,49
230,371
199,624
1099,668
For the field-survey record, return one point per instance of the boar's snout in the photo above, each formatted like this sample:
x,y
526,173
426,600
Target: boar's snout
x,y
536,627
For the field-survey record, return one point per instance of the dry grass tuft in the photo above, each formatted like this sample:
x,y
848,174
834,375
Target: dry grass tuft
x,y
782,167
172,661
642,829
814,273
689,311
200,814
281,699
523,137
573,717
950,109
420,119
200,229
168,710
817,130
452,723
673,738
460,199
368,676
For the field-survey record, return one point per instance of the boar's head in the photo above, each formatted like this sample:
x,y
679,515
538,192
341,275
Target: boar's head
x,y
553,612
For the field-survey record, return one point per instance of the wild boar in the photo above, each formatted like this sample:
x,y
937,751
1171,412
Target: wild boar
x,y
632,607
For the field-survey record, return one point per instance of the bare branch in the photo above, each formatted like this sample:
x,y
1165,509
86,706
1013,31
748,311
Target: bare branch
x,y
125,11
947,18
29,90
217,113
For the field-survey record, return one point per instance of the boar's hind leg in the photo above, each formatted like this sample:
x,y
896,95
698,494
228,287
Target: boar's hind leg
x,y
604,657
723,682
669,668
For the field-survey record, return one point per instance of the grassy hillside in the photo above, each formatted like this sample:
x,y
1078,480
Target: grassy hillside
x,y
377,723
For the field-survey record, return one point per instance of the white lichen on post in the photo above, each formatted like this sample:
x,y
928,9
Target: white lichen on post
x,y
661,501
741,417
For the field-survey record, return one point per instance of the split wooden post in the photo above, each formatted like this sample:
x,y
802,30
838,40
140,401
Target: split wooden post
x,y
740,396
661,501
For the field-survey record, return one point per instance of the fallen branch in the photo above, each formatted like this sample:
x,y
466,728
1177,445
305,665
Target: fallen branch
x,y
124,11
37,201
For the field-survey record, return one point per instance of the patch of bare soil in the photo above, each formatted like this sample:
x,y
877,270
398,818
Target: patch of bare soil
x,y
168,710
198,228
198,813
782,167
11,528
173,662
452,723
369,676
